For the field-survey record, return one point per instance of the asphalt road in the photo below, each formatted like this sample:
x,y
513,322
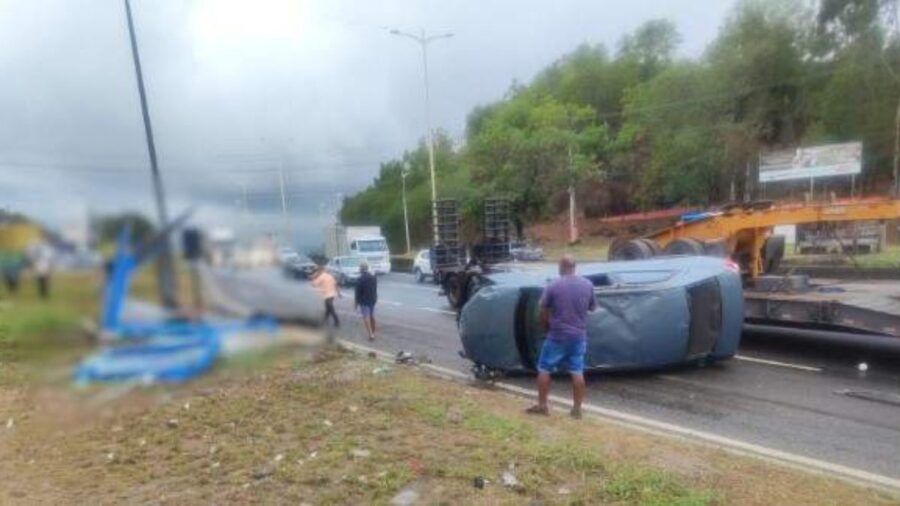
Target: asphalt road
x,y
789,395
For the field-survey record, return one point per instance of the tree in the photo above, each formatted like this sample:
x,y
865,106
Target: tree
x,y
110,226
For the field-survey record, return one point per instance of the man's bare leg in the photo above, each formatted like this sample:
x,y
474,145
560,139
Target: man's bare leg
x,y
543,386
370,326
578,389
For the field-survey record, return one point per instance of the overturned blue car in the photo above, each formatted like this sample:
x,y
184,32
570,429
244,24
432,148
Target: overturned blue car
x,y
650,314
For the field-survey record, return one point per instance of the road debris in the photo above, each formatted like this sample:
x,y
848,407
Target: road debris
x,y
406,497
509,480
405,357
328,423
381,370
10,423
358,453
564,491
279,458
263,473
479,482
172,423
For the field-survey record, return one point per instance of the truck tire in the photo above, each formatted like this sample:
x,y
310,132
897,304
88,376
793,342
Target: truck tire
x,y
634,249
684,246
716,248
772,253
453,286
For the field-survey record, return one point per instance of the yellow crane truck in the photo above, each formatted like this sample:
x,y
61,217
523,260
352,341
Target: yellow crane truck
x,y
744,232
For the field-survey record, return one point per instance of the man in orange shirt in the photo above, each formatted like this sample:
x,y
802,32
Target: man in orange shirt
x,y
328,288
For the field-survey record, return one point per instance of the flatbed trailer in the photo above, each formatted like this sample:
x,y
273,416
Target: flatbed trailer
x,y
847,307
744,232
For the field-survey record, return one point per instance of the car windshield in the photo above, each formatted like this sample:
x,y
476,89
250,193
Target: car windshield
x,y
373,246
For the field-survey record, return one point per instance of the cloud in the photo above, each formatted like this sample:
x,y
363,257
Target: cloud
x,y
240,89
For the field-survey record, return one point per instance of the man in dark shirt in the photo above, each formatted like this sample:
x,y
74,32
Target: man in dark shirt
x,y
564,308
365,298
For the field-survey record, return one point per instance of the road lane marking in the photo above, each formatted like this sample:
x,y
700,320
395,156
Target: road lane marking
x,y
391,302
436,310
777,363
649,425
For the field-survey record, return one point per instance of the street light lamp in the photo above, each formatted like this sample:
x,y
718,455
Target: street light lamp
x,y
423,40
403,173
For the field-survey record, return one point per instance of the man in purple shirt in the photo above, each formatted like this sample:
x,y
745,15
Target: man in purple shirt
x,y
564,308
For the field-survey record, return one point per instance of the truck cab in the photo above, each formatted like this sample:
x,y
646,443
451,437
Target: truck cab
x,y
374,250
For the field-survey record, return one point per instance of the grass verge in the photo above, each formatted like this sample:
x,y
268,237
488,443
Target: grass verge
x,y
338,429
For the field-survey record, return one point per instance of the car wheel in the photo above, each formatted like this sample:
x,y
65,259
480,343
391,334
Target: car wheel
x,y
420,276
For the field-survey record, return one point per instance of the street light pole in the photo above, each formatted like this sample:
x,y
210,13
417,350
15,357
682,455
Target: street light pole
x,y
403,173
423,40
165,270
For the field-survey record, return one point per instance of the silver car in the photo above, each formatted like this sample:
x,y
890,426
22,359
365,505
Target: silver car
x,y
345,269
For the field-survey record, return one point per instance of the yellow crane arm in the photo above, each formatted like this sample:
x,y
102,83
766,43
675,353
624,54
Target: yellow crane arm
x,y
745,230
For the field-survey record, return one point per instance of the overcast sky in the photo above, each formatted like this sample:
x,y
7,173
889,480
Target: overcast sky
x,y
239,88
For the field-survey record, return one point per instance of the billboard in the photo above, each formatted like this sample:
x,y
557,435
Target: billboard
x,y
812,162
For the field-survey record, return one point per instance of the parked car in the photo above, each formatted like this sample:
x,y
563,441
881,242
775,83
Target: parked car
x,y
298,267
650,314
422,266
522,252
286,254
345,269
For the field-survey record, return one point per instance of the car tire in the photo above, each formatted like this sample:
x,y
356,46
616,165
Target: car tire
x,y
420,276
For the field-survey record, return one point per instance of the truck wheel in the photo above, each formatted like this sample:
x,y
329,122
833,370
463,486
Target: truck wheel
x,y
634,249
772,253
684,246
453,287
474,282
653,245
420,276
716,248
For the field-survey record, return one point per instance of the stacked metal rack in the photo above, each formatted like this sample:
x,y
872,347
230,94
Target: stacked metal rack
x,y
449,251
495,246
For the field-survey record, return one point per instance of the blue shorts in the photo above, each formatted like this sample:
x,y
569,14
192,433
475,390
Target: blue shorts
x,y
565,355
366,311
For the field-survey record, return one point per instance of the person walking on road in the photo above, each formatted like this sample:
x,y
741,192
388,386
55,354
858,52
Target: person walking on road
x,y
564,308
328,288
365,297
40,255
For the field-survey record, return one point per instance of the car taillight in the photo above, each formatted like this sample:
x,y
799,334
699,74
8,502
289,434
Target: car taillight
x,y
732,266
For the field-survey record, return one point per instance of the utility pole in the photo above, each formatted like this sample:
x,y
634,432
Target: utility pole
x,y
573,229
165,267
423,40
284,215
403,173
